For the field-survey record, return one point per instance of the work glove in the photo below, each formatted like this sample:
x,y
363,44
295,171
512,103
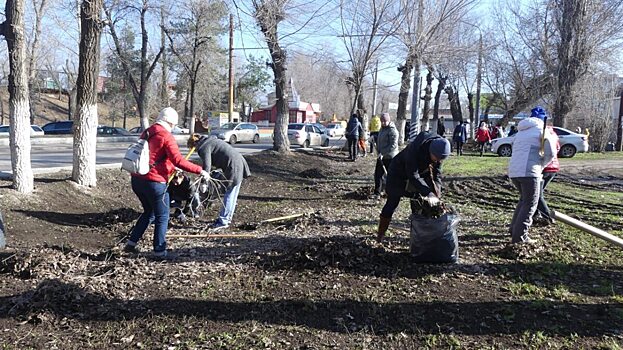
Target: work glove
x,y
432,200
205,176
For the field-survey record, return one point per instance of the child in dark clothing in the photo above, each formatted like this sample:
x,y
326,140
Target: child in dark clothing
x,y
184,197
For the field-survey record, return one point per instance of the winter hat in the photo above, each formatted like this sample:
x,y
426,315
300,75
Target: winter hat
x,y
386,117
440,148
168,115
538,112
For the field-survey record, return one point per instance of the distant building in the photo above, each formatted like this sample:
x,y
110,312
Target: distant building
x,y
299,111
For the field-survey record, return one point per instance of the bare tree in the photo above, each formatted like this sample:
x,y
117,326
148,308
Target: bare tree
x,y
19,139
39,8
85,127
191,37
424,35
365,27
319,79
582,27
268,14
139,85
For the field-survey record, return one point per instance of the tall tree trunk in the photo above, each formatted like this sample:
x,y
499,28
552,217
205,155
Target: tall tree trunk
x,y
19,138
39,12
281,143
440,87
428,95
471,108
85,128
72,102
193,84
455,105
403,97
573,54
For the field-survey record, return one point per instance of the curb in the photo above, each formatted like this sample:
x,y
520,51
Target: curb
x,y
8,175
43,140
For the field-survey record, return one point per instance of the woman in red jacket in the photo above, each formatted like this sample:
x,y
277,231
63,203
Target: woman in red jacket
x,y
151,188
483,137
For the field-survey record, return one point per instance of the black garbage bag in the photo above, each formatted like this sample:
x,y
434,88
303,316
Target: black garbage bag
x,y
434,240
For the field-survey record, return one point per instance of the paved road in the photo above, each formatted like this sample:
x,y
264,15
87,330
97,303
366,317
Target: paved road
x,y
51,157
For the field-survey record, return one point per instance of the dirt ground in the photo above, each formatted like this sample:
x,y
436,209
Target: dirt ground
x,y
319,281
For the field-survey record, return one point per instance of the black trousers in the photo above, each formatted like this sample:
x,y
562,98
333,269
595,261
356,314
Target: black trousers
x,y
459,148
379,172
353,148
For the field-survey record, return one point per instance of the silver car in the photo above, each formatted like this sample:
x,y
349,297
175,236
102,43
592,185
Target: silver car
x,y
237,132
570,143
307,135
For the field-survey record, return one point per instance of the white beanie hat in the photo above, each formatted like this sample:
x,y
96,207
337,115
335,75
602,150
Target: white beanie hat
x,y
168,115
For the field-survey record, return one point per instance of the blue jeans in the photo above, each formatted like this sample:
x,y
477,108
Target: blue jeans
x,y
229,205
155,201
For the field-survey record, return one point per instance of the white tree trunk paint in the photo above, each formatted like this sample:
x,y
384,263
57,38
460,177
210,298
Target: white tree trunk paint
x,y
23,180
85,145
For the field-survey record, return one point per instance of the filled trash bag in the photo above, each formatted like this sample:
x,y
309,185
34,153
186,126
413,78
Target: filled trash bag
x,y
434,240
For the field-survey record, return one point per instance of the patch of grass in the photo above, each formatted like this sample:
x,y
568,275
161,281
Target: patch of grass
x,y
536,340
490,165
593,156
526,289
608,344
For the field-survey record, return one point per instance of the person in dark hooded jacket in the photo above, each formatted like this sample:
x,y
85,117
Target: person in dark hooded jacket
x,y
218,153
416,170
353,130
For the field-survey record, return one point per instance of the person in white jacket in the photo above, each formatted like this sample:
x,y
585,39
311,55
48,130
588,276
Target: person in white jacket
x,y
525,171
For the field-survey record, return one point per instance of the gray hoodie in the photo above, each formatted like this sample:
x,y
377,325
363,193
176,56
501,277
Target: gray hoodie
x,y
387,141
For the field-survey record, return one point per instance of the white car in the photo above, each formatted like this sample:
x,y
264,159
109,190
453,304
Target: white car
x,y
306,135
237,132
335,130
570,143
35,130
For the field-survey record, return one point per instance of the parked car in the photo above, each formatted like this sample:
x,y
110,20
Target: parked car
x,y
237,132
176,130
58,128
103,130
570,143
335,130
306,135
321,127
35,130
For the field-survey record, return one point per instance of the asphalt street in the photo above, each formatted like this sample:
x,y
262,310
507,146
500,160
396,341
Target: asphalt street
x,y
55,157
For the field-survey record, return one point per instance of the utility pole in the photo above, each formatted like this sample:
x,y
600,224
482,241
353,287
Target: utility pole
x,y
231,68
164,94
478,83
374,95
620,126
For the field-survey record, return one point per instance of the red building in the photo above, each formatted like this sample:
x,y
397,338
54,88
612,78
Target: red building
x,y
300,112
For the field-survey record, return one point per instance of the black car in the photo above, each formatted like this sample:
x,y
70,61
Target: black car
x,y
58,128
112,131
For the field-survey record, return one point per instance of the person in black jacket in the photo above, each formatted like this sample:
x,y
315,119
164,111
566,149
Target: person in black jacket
x,y
218,153
353,130
184,196
416,170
